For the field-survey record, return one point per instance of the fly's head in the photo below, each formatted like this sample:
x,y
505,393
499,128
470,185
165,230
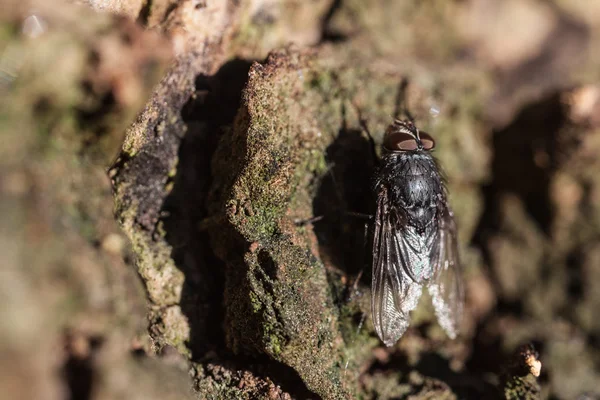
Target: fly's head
x,y
403,136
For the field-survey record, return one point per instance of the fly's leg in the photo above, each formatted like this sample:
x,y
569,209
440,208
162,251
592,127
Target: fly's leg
x,y
309,221
358,215
361,323
400,107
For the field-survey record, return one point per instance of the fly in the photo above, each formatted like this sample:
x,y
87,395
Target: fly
x,y
414,236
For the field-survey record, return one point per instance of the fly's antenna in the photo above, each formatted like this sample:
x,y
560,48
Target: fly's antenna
x,y
401,108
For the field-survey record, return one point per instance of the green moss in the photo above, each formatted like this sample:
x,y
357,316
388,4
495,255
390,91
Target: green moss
x,y
275,346
323,82
522,388
256,303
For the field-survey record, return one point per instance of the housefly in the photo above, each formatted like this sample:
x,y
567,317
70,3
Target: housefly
x,y
414,236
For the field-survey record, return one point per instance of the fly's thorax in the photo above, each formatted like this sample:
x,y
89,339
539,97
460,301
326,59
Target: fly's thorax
x,y
412,178
414,183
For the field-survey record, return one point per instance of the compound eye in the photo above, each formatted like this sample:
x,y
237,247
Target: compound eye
x,y
426,140
400,141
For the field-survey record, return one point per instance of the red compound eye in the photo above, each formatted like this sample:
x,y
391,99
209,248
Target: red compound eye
x,y
427,140
400,141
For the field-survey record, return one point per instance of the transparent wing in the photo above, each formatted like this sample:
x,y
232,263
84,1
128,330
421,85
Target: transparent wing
x,y
446,286
393,294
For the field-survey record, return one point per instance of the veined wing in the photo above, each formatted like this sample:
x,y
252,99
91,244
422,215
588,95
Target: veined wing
x,y
393,293
446,287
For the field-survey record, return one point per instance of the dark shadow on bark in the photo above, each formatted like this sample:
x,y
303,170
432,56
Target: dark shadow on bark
x,y
525,158
346,188
328,33
208,113
464,384
487,355
78,370
280,374
526,154
213,106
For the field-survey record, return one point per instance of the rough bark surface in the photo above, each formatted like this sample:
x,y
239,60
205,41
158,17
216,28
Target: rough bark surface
x,y
157,154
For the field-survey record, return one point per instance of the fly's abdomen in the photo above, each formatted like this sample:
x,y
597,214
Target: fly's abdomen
x,y
418,254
